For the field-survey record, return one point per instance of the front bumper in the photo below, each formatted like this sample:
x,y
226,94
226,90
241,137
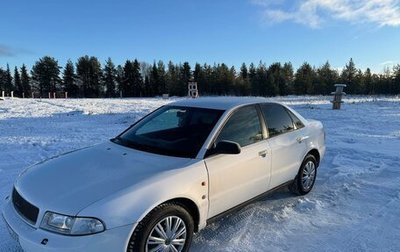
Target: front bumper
x,y
30,238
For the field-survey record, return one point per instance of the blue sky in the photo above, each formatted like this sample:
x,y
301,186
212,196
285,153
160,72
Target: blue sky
x,y
203,31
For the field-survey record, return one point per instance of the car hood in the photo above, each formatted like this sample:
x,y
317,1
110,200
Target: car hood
x,y
72,181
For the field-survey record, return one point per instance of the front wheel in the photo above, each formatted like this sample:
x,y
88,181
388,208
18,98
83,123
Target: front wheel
x,y
168,227
305,179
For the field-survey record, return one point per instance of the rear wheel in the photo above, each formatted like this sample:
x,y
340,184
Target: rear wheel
x,y
306,176
169,227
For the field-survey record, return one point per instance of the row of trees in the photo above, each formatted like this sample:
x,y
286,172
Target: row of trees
x,y
20,82
88,78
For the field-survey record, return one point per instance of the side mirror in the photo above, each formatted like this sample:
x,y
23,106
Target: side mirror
x,y
226,147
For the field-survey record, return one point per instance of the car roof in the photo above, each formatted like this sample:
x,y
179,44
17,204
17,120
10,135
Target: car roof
x,y
222,103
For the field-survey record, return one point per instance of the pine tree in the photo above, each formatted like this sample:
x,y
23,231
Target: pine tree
x,y
157,78
359,82
288,76
9,81
244,73
231,80
17,83
326,78
369,84
137,79
127,83
45,74
88,70
3,79
348,77
261,80
25,80
184,76
119,77
396,79
253,79
161,77
385,81
225,79
109,78
145,71
275,81
172,79
304,80
242,82
132,80
69,80
154,80
147,86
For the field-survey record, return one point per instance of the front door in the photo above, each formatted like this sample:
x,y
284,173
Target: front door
x,y
234,179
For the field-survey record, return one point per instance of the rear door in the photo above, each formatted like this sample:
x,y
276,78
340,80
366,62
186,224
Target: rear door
x,y
286,140
234,179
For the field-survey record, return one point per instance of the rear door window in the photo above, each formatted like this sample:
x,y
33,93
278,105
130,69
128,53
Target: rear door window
x,y
277,119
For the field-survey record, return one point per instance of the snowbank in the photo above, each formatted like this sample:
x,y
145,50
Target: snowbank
x,y
355,205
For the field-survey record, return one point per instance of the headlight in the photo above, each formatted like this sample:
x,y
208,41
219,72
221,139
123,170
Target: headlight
x,y
69,225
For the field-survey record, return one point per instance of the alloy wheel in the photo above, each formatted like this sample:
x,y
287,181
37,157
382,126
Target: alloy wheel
x,y
308,175
168,235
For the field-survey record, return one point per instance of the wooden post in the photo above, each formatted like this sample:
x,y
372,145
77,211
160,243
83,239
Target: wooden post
x,y
54,95
49,95
23,95
2,94
337,96
12,94
66,95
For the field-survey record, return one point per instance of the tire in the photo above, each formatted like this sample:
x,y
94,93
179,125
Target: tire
x,y
305,179
155,225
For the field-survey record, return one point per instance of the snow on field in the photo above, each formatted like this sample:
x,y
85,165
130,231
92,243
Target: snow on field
x,y
355,205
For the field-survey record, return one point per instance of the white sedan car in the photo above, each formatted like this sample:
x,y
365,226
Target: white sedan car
x,y
165,177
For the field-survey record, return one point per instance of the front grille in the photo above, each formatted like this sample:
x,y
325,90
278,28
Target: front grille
x,y
24,208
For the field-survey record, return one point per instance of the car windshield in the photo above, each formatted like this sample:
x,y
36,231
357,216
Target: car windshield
x,y
171,130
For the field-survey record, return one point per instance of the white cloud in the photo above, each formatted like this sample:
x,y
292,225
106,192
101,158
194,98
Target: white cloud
x,y
388,62
314,13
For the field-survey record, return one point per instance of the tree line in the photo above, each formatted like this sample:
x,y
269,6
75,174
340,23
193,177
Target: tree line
x,y
87,77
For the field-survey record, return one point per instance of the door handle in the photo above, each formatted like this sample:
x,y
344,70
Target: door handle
x,y
263,153
301,139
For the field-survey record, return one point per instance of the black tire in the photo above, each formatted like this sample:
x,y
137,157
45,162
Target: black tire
x,y
298,186
140,236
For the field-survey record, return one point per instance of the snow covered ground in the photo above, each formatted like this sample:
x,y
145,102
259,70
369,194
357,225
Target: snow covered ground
x,y
355,205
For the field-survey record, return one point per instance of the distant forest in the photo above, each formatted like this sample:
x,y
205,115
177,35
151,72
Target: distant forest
x,y
89,78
